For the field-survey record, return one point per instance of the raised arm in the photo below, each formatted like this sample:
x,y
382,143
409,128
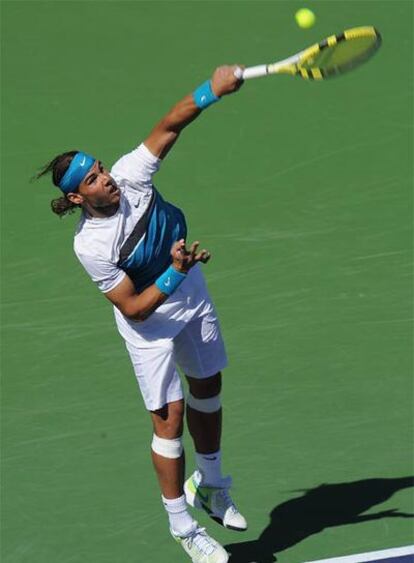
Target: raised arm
x,y
166,132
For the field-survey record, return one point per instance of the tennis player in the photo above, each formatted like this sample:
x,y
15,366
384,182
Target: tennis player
x,y
132,243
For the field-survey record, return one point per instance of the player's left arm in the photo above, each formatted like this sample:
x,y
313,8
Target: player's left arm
x,y
166,132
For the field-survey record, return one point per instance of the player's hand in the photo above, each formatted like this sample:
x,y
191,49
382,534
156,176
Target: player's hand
x,y
184,259
223,80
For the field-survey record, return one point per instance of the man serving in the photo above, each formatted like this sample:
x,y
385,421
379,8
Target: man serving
x,y
132,243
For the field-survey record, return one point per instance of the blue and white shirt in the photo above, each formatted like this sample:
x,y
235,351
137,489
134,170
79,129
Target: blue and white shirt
x,y
137,241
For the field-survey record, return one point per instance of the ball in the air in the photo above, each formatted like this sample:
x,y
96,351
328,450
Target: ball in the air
x,y
305,18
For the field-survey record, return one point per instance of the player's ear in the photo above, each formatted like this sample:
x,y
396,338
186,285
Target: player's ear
x,y
75,198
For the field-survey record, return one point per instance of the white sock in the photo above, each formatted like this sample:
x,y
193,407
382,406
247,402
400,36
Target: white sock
x,y
209,466
181,521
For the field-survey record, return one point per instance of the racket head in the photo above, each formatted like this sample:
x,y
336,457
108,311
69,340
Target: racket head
x,y
336,54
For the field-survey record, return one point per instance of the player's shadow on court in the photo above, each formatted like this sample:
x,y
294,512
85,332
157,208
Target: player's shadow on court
x,y
323,507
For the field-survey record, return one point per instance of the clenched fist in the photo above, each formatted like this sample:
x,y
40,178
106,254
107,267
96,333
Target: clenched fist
x,y
224,81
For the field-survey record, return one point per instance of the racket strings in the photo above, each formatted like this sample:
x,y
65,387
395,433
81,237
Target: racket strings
x,y
338,54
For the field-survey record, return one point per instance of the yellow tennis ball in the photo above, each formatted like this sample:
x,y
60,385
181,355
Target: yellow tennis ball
x,y
305,18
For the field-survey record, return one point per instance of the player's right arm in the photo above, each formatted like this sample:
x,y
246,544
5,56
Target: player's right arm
x,y
136,168
139,306
166,132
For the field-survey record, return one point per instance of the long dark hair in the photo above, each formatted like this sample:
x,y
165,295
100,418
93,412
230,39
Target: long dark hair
x,y
57,167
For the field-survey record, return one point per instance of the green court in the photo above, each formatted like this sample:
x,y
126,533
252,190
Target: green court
x,y
303,193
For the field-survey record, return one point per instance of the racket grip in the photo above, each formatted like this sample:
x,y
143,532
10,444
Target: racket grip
x,y
251,72
238,73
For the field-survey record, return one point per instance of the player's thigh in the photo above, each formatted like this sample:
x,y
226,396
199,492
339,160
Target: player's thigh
x,y
156,372
199,349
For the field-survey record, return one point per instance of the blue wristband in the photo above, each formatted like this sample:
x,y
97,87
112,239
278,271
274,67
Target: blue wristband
x,y
169,280
204,96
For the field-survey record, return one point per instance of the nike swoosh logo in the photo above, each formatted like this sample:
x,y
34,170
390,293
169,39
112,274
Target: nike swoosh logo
x,y
83,161
167,282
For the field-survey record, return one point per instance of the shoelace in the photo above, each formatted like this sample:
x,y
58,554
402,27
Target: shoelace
x,y
200,539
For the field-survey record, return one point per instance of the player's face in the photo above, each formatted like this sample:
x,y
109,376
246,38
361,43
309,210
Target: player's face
x,y
98,189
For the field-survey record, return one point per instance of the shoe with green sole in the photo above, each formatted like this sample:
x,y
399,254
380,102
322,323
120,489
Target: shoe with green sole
x,y
215,501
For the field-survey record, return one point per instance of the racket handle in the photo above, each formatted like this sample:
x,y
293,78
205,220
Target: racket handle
x,y
251,72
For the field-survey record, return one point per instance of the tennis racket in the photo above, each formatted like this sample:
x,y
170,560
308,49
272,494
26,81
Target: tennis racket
x,y
332,56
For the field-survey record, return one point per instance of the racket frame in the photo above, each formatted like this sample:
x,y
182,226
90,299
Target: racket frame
x,y
294,65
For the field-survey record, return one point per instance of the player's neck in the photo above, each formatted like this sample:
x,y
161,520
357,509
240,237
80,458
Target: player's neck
x,y
101,212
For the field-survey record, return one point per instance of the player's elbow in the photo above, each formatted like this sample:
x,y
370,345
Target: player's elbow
x,y
142,316
137,316
135,306
132,312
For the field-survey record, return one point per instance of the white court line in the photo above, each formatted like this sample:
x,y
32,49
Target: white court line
x,y
372,556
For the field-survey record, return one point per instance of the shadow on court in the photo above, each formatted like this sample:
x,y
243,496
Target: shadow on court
x,y
322,507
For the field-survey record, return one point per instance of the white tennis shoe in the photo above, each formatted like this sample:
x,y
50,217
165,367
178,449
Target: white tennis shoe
x,y
201,547
216,501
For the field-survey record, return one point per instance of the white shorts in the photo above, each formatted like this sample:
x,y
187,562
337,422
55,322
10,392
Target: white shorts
x,y
198,349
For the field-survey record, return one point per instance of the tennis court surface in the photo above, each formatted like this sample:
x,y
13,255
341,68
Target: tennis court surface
x,y
302,191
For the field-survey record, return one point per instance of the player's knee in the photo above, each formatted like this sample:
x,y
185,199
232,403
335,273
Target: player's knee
x,y
170,448
205,388
208,406
204,395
